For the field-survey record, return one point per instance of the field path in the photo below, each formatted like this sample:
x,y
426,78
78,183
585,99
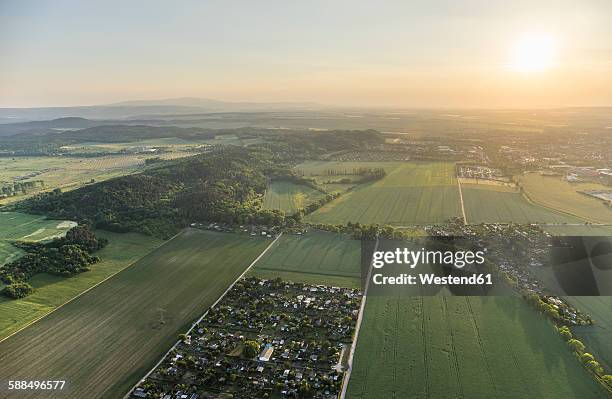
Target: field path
x,y
349,364
127,395
104,342
465,222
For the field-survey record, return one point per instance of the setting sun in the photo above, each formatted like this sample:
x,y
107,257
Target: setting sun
x,y
534,53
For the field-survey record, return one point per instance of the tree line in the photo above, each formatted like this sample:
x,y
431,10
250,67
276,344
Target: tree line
x,y
66,256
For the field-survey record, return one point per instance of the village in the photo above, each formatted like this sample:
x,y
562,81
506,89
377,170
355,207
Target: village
x,y
265,338
521,253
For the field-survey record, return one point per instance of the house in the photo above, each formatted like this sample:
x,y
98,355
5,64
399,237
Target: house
x,y
265,355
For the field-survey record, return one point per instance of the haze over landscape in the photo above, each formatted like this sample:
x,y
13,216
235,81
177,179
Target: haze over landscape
x,y
474,53
306,200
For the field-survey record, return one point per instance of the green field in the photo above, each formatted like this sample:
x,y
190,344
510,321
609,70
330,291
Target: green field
x,y
597,337
317,169
556,193
53,291
463,347
16,226
317,257
24,227
106,340
71,172
289,197
580,230
8,253
488,204
411,194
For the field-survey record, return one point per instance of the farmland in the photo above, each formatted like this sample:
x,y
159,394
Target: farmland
x,y
597,337
107,339
289,197
318,169
316,258
410,194
53,291
580,230
24,227
466,347
8,253
70,172
492,204
16,226
559,194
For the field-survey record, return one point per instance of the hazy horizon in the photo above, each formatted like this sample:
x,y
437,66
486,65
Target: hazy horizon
x,y
430,55
316,105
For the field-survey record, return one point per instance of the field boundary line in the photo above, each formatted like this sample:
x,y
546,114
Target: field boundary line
x,y
543,205
349,363
127,395
465,222
90,288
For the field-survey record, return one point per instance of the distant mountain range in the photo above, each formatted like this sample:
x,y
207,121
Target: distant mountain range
x,y
144,108
217,105
44,127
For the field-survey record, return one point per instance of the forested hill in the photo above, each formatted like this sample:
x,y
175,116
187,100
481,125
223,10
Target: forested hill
x,y
224,186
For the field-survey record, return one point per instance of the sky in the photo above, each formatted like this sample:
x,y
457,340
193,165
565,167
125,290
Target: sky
x,y
430,53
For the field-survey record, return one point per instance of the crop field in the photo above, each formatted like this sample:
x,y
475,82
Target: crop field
x,y
107,339
71,172
318,169
289,197
8,253
15,226
597,337
580,230
488,204
556,193
53,291
411,194
25,227
320,172
463,347
317,257
165,142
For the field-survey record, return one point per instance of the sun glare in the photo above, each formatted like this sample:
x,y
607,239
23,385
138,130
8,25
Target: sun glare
x,y
534,53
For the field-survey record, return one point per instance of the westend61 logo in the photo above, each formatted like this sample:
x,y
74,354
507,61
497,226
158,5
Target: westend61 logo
x,y
487,266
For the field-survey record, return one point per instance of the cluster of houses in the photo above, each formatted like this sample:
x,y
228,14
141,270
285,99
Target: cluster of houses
x,y
253,230
586,173
521,253
265,338
479,172
517,250
604,195
568,313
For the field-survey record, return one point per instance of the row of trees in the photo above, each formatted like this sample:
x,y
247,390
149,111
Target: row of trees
x,y
361,231
557,313
20,187
585,357
575,344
